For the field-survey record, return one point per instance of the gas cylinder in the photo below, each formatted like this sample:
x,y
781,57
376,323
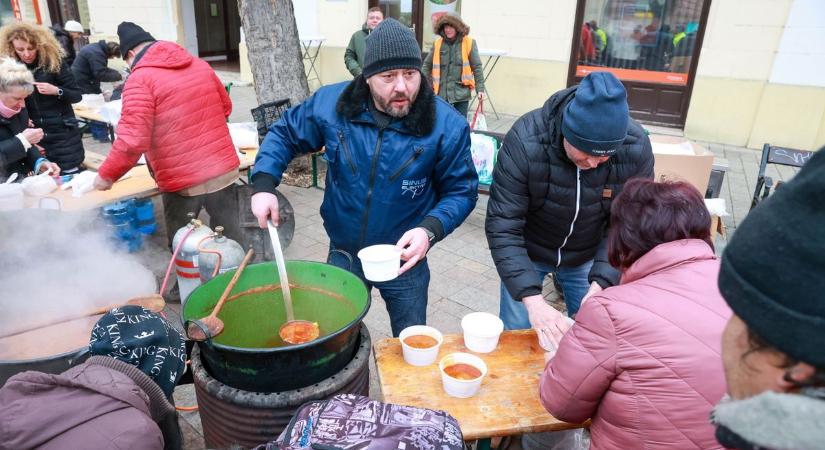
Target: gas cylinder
x,y
186,262
231,254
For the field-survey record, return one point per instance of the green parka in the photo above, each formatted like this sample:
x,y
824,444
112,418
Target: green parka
x,y
451,88
354,55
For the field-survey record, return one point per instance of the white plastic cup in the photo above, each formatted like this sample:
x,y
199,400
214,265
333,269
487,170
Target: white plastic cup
x,y
420,356
481,331
380,262
461,388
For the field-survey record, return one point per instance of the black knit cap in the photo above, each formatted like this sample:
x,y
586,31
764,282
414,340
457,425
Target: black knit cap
x,y
391,45
773,269
131,35
143,339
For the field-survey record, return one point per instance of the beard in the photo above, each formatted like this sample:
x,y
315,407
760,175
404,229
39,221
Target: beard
x,y
386,106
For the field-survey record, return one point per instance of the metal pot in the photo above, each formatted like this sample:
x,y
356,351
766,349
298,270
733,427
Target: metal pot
x,y
49,364
249,354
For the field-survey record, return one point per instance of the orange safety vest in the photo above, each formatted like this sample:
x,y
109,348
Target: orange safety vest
x,y
467,77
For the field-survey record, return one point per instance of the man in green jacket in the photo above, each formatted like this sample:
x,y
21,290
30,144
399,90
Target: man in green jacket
x,y
354,56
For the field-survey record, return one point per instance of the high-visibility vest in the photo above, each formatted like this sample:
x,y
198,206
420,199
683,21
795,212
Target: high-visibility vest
x,y
467,77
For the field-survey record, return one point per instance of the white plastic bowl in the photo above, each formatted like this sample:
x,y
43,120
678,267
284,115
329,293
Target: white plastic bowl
x,y
461,388
420,356
380,262
481,331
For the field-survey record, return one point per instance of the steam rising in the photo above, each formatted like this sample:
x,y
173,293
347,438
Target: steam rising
x,y
54,264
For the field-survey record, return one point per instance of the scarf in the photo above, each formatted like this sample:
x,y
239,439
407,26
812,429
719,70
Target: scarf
x,y
772,420
7,112
467,77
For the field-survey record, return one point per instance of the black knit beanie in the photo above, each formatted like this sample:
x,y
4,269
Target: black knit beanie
x,y
773,269
143,339
390,46
131,35
595,121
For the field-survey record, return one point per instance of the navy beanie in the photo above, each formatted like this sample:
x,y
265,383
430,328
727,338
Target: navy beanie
x,y
143,339
391,45
130,36
772,269
595,120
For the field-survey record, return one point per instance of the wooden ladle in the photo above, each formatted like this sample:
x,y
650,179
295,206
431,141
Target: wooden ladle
x,y
154,303
211,326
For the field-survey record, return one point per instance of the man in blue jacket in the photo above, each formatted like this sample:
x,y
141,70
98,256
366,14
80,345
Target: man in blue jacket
x,y
399,166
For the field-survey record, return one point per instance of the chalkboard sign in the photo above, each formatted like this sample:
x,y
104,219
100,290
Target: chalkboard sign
x,y
789,156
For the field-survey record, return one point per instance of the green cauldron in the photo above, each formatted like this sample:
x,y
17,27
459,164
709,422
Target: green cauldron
x,y
249,355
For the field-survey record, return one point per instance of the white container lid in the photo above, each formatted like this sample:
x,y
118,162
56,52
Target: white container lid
x,y
482,324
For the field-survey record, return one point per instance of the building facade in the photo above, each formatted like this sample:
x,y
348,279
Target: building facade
x,y
741,73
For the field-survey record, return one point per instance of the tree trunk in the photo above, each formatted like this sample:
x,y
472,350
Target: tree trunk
x,y
275,58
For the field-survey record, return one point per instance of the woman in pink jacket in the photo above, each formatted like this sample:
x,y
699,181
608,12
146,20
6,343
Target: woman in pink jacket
x,y
643,358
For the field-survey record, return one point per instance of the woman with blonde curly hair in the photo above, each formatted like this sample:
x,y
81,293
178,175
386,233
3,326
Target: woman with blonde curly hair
x,y
50,106
17,151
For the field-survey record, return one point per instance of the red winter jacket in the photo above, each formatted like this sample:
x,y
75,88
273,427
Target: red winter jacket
x,y
174,111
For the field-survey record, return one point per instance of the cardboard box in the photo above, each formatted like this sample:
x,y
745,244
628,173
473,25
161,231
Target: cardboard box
x,y
682,160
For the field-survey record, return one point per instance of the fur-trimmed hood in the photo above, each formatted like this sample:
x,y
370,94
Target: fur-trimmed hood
x,y
419,121
451,19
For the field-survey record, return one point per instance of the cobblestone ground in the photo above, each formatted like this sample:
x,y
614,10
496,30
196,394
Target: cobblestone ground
x,y
463,277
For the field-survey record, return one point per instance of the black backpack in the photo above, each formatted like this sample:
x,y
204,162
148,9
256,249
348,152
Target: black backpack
x,y
350,422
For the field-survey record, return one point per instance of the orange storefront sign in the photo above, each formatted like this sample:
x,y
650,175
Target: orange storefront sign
x,y
645,76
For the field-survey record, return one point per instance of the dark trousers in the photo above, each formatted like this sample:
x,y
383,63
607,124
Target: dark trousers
x,y
222,207
405,296
461,107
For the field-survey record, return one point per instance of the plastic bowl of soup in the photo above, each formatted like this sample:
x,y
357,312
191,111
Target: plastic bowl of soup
x,y
420,344
461,374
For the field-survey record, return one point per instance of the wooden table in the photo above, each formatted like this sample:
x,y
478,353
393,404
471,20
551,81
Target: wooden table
x,y
508,402
93,115
138,184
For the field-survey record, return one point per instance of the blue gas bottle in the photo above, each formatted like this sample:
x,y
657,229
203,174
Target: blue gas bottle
x,y
145,216
120,217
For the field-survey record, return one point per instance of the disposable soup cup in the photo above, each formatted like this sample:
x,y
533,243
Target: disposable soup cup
x,y
481,331
420,344
380,262
456,378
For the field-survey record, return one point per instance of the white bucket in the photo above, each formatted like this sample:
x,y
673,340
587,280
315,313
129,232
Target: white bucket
x,y
380,262
420,356
461,388
11,196
481,331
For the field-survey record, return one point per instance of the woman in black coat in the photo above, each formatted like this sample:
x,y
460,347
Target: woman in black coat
x,y
50,106
18,143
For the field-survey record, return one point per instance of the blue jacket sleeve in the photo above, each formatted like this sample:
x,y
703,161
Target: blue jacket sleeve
x,y
297,132
456,183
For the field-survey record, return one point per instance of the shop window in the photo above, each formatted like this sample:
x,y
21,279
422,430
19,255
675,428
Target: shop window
x,y
639,40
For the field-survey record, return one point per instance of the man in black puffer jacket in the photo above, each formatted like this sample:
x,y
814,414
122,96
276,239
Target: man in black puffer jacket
x,y
557,173
91,66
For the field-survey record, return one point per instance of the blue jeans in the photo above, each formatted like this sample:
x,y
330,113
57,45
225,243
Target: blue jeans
x,y
405,296
574,284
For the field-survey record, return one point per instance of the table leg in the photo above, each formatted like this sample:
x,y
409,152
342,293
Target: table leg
x,y
312,57
486,70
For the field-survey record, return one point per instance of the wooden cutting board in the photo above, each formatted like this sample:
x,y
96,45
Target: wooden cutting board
x,y
508,402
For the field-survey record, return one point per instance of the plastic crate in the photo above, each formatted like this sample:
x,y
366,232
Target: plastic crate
x,y
267,114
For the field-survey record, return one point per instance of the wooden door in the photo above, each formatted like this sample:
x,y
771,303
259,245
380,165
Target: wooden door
x,y
652,46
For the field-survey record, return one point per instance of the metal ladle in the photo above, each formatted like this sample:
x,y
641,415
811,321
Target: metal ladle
x,y
288,330
211,326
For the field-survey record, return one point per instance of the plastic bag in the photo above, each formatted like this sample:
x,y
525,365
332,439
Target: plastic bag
x,y
244,134
81,183
111,112
483,149
578,439
479,120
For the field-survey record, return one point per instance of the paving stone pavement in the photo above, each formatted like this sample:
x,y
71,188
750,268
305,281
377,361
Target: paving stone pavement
x,y
463,276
